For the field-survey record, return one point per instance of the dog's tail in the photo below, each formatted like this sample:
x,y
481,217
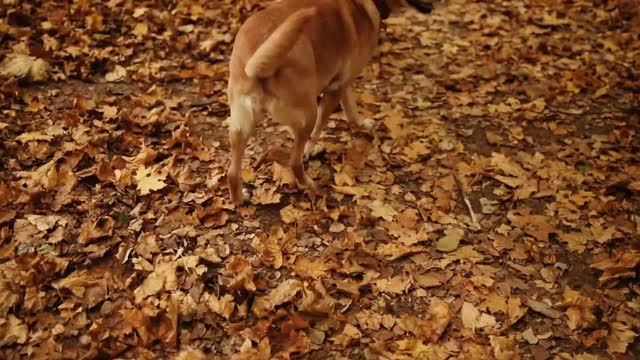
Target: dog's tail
x,y
267,59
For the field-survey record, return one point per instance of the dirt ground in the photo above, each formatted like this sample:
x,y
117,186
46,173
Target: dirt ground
x,y
493,211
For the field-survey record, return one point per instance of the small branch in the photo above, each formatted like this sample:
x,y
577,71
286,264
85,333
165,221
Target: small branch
x,y
465,197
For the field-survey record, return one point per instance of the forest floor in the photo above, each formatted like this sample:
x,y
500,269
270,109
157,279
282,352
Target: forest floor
x,y
117,239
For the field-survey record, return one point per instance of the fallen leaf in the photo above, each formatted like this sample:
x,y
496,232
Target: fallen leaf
x,y
24,66
149,180
117,74
620,336
382,210
394,285
450,242
286,291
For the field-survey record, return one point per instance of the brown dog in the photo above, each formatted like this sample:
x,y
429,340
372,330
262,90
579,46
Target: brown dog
x,y
289,53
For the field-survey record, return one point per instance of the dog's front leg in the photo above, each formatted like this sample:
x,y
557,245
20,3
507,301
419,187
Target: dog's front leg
x,y
350,108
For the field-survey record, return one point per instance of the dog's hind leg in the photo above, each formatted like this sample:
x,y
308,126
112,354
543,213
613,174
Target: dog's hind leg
x,y
244,116
301,121
327,107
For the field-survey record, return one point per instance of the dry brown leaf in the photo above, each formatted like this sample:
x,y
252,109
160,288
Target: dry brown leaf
x,y
316,300
382,210
163,278
311,268
240,273
620,266
579,309
620,336
394,285
286,291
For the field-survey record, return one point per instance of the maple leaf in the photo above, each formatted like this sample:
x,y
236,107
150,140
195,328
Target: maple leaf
x,y
248,352
382,210
283,174
92,230
580,309
222,306
265,196
351,190
429,330
515,310
495,303
311,268
290,214
149,180
620,336
394,251
270,248
13,331
240,272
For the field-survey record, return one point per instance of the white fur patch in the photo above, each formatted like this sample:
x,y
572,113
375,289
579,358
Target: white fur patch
x,y
243,114
368,124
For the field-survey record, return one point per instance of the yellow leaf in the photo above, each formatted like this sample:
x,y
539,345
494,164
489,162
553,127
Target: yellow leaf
x,y
515,310
141,29
149,181
24,66
576,241
283,174
495,302
450,242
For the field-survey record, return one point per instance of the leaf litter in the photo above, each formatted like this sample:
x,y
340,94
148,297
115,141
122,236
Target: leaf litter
x,y
492,211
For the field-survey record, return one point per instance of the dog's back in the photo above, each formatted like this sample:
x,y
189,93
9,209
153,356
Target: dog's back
x,y
318,45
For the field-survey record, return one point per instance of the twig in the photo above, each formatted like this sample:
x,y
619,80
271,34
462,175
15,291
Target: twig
x,y
465,197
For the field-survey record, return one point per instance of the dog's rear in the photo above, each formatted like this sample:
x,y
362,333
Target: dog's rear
x,y
258,54
287,55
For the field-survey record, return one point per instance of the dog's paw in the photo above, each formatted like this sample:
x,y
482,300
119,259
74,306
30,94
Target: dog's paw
x,y
368,124
312,149
242,198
